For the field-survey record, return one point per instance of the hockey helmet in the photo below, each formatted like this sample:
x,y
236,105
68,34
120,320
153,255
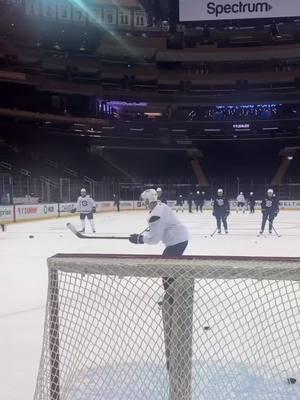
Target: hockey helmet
x,y
149,195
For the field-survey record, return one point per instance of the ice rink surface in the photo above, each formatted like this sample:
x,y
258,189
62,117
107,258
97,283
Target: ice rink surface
x,y
23,272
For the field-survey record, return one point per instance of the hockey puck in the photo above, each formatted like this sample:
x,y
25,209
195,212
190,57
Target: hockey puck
x,y
291,381
206,328
31,237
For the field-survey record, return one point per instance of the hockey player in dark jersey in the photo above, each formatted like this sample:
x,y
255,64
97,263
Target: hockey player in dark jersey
x,y
190,200
251,203
202,201
221,210
197,200
116,200
179,203
269,209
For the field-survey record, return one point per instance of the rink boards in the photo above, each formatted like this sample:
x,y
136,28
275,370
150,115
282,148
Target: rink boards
x,y
30,212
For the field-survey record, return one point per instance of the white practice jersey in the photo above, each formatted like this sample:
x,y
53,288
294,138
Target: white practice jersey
x,y
85,205
241,198
165,227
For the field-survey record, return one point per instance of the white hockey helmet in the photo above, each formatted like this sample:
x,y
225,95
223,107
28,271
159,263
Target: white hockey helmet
x,y
149,195
251,193
270,192
83,191
241,193
159,190
198,192
220,191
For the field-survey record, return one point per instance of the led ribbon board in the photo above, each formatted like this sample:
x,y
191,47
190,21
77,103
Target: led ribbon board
x,y
217,10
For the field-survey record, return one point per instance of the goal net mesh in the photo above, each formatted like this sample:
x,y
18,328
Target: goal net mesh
x,y
152,328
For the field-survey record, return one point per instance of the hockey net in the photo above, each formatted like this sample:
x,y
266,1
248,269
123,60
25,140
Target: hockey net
x,y
224,328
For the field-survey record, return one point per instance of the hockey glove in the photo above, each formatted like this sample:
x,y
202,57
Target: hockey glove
x,y
227,213
214,214
136,239
94,210
73,211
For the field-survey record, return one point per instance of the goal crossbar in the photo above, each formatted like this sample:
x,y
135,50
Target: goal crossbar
x,y
199,267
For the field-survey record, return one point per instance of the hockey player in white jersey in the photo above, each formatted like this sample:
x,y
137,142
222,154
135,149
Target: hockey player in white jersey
x,y
163,227
86,207
241,202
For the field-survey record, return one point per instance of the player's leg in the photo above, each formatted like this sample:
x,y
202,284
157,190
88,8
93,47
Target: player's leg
x,y
263,223
90,217
82,219
271,220
173,251
218,218
2,227
224,220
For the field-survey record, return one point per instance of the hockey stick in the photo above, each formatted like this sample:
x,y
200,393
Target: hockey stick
x,y
83,236
214,232
277,234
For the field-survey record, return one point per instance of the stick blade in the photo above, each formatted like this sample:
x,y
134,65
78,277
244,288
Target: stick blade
x,y
74,230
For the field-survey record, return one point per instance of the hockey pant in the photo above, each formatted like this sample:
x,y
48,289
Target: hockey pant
x,y
222,218
90,217
265,217
167,309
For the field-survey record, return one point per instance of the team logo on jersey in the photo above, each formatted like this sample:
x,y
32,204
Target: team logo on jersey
x,y
84,203
269,203
220,202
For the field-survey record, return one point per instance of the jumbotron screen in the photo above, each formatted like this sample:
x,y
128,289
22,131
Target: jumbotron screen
x,y
216,10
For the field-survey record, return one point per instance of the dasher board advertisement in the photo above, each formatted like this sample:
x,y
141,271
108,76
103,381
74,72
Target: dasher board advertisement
x,y
217,10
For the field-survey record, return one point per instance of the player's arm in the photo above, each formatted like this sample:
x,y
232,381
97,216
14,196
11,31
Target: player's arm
x,y
153,234
214,207
77,207
276,208
263,206
227,207
93,205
